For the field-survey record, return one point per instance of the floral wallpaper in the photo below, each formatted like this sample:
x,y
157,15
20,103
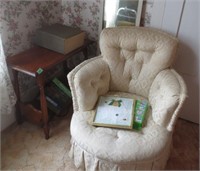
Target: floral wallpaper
x,y
146,13
84,14
19,19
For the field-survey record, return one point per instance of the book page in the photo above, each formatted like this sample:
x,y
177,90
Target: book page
x,y
115,111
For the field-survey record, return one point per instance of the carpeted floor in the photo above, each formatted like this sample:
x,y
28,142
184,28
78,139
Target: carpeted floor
x,y
23,147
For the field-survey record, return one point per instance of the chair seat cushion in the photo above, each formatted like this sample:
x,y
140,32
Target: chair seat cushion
x,y
118,145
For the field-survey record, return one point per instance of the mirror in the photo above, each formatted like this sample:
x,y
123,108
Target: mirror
x,y
122,12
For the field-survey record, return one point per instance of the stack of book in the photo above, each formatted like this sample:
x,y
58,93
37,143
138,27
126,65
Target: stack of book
x,y
58,97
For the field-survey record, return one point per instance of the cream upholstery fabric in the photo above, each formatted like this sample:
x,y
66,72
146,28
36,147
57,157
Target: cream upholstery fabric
x,y
89,80
117,145
134,61
166,96
136,56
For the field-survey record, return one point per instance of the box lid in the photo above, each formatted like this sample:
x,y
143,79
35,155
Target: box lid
x,y
60,30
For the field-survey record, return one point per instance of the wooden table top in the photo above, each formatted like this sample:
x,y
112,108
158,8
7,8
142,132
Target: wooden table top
x,y
34,58
31,60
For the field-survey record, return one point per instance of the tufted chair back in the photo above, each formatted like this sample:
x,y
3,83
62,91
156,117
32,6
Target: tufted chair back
x,y
135,56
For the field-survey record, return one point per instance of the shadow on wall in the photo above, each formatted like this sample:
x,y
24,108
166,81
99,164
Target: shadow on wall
x,y
187,65
186,62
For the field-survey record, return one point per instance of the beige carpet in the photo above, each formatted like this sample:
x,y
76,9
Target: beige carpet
x,y
23,147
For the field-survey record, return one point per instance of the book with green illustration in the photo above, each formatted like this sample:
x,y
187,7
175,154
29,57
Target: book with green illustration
x,y
57,82
120,112
113,111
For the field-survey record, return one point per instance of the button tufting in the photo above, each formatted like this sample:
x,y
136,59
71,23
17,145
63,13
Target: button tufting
x,y
130,78
92,83
101,77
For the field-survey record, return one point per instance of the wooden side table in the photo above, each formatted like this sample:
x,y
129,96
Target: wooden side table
x,y
36,62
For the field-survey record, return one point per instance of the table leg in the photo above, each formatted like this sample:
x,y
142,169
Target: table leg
x,y
43,103
17,92
85,52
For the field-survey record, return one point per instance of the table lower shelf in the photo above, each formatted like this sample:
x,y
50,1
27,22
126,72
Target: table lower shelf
x,y
32,113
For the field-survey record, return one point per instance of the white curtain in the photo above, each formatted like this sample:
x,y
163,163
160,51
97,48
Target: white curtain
x,y
7,95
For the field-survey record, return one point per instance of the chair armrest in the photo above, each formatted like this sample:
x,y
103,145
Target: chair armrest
x,y
166,96
87,82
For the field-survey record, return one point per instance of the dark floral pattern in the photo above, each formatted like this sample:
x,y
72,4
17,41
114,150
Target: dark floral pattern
x,y
146,13
20,19
84,14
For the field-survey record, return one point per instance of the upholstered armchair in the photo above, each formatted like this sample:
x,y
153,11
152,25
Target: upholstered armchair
x,y
135,62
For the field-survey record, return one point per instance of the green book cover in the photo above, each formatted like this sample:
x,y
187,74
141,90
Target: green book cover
x,y
62,87
141,108
54,92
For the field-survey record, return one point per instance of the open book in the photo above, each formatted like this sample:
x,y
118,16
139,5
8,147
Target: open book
x,y
112,111
120,112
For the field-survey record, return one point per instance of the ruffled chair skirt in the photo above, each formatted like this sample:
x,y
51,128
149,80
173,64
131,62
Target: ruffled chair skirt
x,y
84,160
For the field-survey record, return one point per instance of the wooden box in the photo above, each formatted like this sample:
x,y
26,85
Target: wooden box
x,y
59,38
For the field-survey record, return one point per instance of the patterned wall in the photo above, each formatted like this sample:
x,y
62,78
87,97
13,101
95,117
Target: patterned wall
x,y
146,13
84,14
20,19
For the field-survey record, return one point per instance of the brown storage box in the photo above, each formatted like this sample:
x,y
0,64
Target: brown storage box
x,y
59,38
